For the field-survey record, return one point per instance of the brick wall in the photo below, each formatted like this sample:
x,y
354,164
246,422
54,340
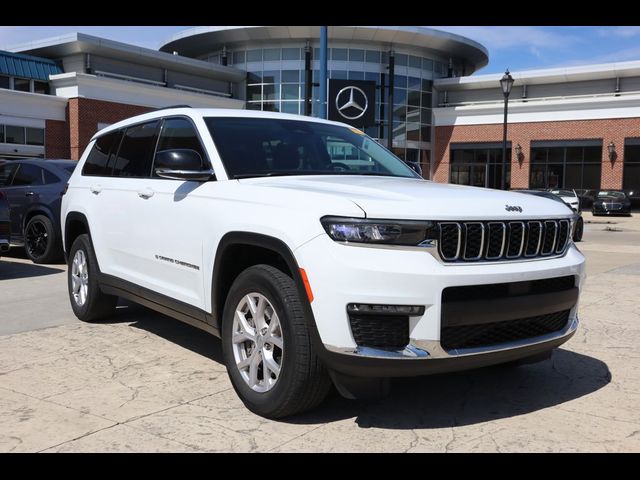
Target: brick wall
x,y
84,116
56,139
609,130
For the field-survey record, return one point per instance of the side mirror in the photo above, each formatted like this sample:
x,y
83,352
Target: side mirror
x,y
182,164
415,166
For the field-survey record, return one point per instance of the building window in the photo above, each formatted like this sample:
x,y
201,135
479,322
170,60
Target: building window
x,y
566,166
35,136
41,87
479,166
22,84
631,167
4,81
14,134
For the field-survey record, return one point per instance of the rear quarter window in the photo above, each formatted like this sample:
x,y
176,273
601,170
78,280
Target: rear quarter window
x,y
98,159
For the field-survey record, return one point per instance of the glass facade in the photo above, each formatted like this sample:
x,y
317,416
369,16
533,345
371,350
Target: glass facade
x,y
572,166
479,166
275,82
631,169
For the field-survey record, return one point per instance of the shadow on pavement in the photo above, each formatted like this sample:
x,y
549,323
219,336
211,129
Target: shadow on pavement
x,y
454,399
13,270
471,397
175,331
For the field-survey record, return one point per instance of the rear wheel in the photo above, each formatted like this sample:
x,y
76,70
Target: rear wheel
x,y
267,347
41,241
88,302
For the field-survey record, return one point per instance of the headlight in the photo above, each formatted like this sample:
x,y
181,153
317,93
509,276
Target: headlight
x,y
391,232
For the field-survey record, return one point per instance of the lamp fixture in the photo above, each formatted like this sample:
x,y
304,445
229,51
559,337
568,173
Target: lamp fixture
x,y
519,155
612,151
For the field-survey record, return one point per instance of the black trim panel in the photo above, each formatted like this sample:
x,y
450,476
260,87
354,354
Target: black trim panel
x,y
161,303
475,312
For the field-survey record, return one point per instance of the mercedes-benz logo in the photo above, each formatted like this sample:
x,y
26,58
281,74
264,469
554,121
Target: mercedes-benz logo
x,y
349,102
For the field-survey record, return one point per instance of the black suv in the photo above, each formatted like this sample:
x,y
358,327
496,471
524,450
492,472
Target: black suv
x,y
34,189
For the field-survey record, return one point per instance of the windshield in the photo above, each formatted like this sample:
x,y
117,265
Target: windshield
x,y
609,193
563,193
257,147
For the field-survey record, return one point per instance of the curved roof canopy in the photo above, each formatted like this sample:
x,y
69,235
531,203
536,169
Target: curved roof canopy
x,y
201,40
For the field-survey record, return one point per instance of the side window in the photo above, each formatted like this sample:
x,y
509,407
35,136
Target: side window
x,y
6,173
136,151
97,160
49,177
27,175
179,133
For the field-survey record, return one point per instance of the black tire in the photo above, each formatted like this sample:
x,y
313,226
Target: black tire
x,y
303,382
577,234
41,240
97,305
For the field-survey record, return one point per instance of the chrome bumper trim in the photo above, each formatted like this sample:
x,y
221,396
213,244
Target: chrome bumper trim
x,y
428,349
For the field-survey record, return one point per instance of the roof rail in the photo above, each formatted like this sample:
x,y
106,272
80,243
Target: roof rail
x,y
174,106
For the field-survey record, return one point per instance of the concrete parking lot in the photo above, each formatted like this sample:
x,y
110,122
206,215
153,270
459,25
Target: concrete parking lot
x,y
143,382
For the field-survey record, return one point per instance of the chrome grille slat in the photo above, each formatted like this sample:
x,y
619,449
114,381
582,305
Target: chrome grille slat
x,y
476,241
445,229
468,232
501,228
512,228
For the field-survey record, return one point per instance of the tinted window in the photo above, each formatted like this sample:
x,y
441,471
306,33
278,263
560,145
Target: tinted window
x,y
14,134
265,146
50,177
35,136
98,158
27,175
70,168
6,173
136,151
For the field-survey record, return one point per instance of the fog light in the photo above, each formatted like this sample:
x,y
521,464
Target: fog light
x,y
367,308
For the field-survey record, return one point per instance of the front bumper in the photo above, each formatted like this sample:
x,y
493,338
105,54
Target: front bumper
x,y
341,274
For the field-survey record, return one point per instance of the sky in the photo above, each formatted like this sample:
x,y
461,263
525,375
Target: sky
x,y
514,47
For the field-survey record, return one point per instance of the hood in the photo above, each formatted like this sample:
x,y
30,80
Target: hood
x,y
412,198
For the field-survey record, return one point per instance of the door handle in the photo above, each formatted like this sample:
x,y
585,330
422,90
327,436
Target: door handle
x,y
29,194
145,193
95,189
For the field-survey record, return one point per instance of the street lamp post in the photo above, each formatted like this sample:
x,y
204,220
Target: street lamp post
x,y
506,82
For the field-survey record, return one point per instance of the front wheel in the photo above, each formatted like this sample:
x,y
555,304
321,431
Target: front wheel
x,y
267,347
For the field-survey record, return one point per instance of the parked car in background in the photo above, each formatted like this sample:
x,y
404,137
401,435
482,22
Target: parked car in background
x,y
570,197
634,197
586,197
611,202
578,222
34,189
5,230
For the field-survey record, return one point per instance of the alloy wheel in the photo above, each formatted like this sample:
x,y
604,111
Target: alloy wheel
x,y
257,342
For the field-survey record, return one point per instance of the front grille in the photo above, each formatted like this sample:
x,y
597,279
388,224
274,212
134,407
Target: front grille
x,y
380,331
502,240
487,334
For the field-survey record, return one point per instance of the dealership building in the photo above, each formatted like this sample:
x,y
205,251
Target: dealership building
x,y
573,127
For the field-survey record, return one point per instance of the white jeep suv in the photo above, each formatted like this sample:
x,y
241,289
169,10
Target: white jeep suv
x,y
314,253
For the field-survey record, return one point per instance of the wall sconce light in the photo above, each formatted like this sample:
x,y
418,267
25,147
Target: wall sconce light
x,y
612,152
519,155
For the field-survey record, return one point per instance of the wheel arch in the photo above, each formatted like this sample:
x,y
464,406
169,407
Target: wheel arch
x,y
239,250
75,224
